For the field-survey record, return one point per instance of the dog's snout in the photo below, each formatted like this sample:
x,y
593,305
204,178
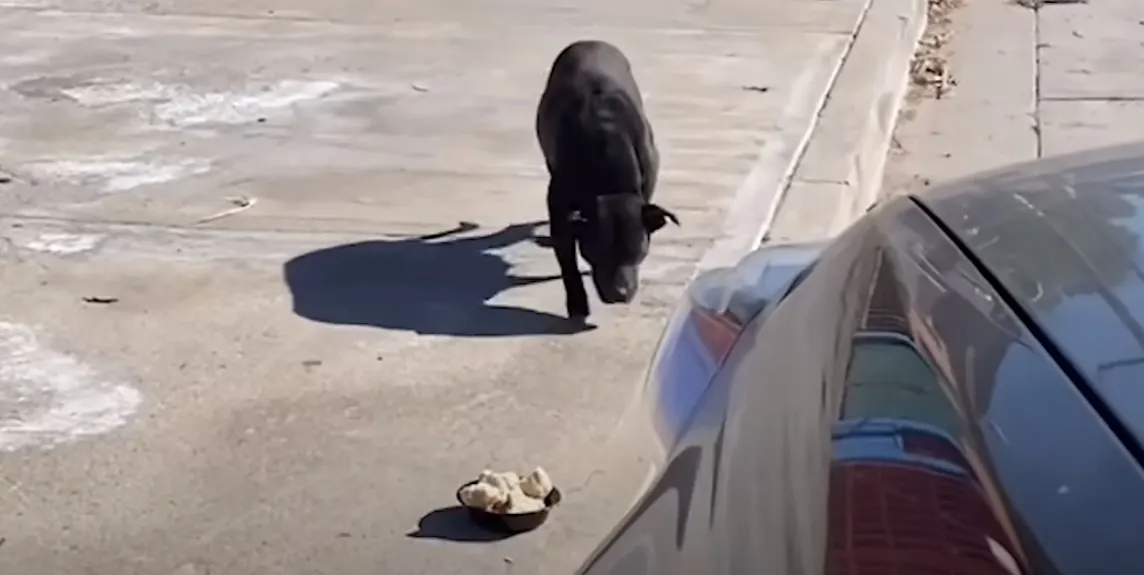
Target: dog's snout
x,y
612,292
623,294
624,289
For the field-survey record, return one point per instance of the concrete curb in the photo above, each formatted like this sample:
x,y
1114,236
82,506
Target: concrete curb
x,y
840,173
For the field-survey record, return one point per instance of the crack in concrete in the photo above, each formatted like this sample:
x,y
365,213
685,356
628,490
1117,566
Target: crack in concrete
x,y
823,181
1092,99
95,222
297,19
1038,124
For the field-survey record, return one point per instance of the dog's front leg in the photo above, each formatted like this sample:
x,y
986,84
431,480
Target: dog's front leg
x,y
564,244
576,298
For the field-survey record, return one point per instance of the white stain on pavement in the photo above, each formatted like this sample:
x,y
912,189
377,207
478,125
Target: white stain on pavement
x,y
237,108
48,398
63,244
181,106
116,175
106,94
25,57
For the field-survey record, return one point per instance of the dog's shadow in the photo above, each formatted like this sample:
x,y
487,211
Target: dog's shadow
x,y
437,284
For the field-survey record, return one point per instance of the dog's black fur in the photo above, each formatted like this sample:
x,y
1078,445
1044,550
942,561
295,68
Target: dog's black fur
x,y
602,165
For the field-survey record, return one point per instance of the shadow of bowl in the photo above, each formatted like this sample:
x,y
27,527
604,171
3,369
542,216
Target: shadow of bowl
x,y
454,524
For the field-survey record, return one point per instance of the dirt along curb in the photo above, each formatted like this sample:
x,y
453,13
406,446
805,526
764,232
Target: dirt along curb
x,y
839,175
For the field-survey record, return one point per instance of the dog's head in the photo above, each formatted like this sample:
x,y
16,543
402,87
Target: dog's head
x,y
614,239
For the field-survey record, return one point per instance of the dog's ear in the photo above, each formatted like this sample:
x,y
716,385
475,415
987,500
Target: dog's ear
x,y
655,217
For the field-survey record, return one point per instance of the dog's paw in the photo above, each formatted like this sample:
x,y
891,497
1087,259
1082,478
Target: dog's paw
x,y
577,313
543,241
574,325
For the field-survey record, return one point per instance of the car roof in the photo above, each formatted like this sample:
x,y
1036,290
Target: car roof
x,y
1064,237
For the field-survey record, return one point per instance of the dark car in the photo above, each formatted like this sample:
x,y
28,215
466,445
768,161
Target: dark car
x,y
954,385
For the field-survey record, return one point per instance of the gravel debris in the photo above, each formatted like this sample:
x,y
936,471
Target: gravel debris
x,y
930,73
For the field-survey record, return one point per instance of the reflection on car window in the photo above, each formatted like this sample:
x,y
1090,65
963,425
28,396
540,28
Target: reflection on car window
x,y
887,378
903,493
794,283
779,280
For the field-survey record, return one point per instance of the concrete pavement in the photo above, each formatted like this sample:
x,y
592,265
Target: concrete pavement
x,y
293,387
1032,80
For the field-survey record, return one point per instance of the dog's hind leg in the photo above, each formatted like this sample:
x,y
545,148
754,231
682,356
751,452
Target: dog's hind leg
x,y
649,161
648,157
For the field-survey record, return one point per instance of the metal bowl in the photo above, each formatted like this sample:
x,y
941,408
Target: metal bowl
x,y
511,522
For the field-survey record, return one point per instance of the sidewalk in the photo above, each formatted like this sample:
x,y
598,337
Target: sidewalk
x,y
1031,81
293,387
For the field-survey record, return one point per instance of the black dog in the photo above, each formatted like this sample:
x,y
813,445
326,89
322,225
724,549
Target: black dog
x,y
602,166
